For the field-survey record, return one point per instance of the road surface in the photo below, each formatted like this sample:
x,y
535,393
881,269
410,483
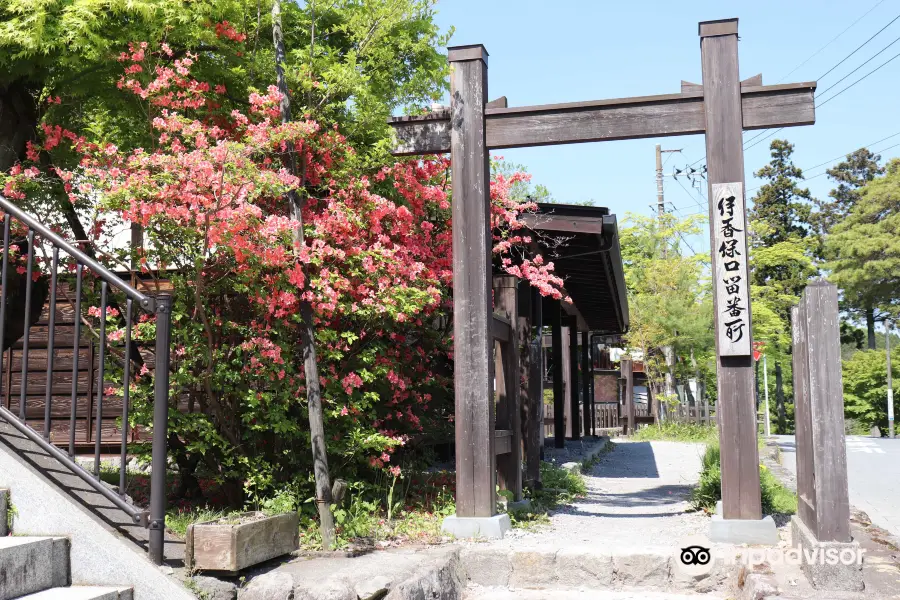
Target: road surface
x,y
873,471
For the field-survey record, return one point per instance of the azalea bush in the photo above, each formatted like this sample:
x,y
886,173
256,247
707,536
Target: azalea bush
x,y
375,264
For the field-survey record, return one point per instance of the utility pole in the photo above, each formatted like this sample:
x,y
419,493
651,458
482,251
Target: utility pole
x,y
660,200
668,351
890,398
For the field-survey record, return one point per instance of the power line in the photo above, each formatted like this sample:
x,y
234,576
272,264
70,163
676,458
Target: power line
x,y
833,85
842,156
817,52
846,153
827,100
860,47
764,139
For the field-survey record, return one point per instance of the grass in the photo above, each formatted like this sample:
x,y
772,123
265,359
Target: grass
x,y
776,499
677,432
177,520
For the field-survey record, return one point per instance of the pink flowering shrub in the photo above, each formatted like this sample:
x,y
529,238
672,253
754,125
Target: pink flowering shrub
x,y
376,267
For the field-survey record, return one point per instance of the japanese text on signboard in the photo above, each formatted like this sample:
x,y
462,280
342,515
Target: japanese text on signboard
x,y
731,276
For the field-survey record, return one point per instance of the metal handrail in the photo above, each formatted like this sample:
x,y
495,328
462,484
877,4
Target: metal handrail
x,y
146,302
160,305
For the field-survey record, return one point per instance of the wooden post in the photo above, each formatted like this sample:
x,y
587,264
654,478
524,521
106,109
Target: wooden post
x,y
627,369
509,465
574,418
585,382
725,165
823,503
472,310
533,380
559,409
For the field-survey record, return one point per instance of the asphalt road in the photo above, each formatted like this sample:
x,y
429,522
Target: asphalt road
x,y
873,472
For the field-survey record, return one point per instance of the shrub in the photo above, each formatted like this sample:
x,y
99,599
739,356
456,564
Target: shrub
x,y
775,498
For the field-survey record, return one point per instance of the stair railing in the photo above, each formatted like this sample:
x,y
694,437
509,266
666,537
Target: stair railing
x,y
159,305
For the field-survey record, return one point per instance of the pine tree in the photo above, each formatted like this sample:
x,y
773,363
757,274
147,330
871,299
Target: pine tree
x,y
851,175
782,245
864,249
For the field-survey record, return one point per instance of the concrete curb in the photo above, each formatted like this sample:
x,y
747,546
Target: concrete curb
x,y
600,448
580,567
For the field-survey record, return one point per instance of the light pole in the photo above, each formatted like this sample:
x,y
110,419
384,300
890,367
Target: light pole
x,y
766,388
890,388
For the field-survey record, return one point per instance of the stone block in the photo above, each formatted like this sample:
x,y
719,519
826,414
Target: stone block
x,y
644,569
584,567
486,566
442,579
4,512
533,568
758,586
270,586
32,564
477,527
742,531
374,587
215,589
829,566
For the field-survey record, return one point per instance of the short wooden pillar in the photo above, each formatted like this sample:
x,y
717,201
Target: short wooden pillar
x,y
823,503
626,368
472,303
559,406
506,356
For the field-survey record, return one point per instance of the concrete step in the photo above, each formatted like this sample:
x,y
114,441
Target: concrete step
x,y
84,592
32,564
491,593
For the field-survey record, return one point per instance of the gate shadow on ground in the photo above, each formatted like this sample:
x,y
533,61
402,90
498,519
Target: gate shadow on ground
x,y
660,496
634,460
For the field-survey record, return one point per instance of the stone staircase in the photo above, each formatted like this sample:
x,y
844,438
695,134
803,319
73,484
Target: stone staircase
x,y
37,568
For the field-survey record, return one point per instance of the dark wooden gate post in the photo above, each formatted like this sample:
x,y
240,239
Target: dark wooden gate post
x,y
823,505
559,407
626,368
725,164
472,303
532,379
509,464
586,382
574,390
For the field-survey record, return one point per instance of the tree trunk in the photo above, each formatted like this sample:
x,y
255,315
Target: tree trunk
x,y
870,327
779,400
307,331
669,354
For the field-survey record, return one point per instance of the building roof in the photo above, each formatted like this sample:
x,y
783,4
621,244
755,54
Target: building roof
x,y
583,244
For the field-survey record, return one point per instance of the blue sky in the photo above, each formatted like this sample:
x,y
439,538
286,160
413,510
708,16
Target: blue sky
x,y
566,51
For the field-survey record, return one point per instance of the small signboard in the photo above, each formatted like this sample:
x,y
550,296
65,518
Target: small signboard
x,y
731,275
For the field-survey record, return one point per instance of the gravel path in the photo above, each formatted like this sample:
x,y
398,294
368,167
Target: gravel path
x,y
637,495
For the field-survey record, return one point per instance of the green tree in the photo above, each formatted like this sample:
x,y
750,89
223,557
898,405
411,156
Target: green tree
x,y
864,249
669,297
781,258
859,168
865,386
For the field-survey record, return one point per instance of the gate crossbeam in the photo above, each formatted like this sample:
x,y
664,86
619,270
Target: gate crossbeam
x,y
763,107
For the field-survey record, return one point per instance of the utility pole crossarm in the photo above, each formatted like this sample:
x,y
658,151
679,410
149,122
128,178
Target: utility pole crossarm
x,y
763,107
